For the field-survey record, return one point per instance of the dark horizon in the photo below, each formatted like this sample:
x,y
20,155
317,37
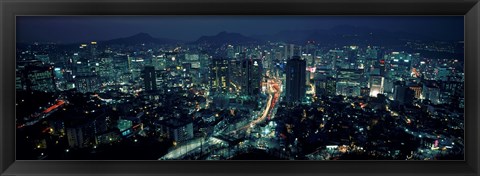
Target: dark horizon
x,y
74,29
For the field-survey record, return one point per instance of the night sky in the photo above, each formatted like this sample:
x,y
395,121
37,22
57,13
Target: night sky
x,y
70,29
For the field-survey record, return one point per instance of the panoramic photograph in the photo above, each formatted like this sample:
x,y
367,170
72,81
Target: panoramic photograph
x,y
314,88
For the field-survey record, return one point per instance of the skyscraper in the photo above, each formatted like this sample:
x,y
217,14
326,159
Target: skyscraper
x,y
376,85
330,86
93,50
219,77
295,72
235,73
150,78
251,72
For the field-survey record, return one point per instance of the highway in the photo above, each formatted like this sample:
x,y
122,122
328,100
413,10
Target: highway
x,y
44,114
274,94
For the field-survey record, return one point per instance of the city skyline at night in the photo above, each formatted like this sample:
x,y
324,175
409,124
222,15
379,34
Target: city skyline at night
x,y
240,88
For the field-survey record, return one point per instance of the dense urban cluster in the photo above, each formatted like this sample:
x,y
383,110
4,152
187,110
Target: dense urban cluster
x,y
239,100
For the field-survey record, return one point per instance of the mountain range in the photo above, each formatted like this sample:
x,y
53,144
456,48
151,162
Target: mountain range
x,y
141,38
339,35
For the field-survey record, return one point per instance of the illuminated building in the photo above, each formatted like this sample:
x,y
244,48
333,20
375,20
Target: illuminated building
x,y
40,78
230,52
335,58
124,126
150,78
159,62
295,79
106,68
108,137
388,86
331,86
348,82
310,74
75,137
400,64
352,56
267,60
194,59
120,63
136,66
219,77
376,85
178,130
454,88
309,59
280,52
94,49
382,67
86,84
432,93
84,68
418,90
235,73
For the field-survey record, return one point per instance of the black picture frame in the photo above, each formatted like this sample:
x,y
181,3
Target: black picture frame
x,y
11,8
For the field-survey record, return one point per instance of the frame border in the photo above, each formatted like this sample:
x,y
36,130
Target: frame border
x,y
11,8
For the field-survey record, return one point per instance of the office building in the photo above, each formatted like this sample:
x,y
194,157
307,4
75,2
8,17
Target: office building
x,y
219,76
251,76
295,79
150,78
178,130
376,85
40,78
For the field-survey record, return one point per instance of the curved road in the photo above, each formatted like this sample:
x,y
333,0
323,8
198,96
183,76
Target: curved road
x,y
274,94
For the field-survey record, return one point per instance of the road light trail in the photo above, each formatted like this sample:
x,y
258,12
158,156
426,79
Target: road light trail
x,y
274,94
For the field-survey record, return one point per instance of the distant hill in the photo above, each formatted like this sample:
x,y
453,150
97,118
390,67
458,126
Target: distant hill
x,y
140,38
